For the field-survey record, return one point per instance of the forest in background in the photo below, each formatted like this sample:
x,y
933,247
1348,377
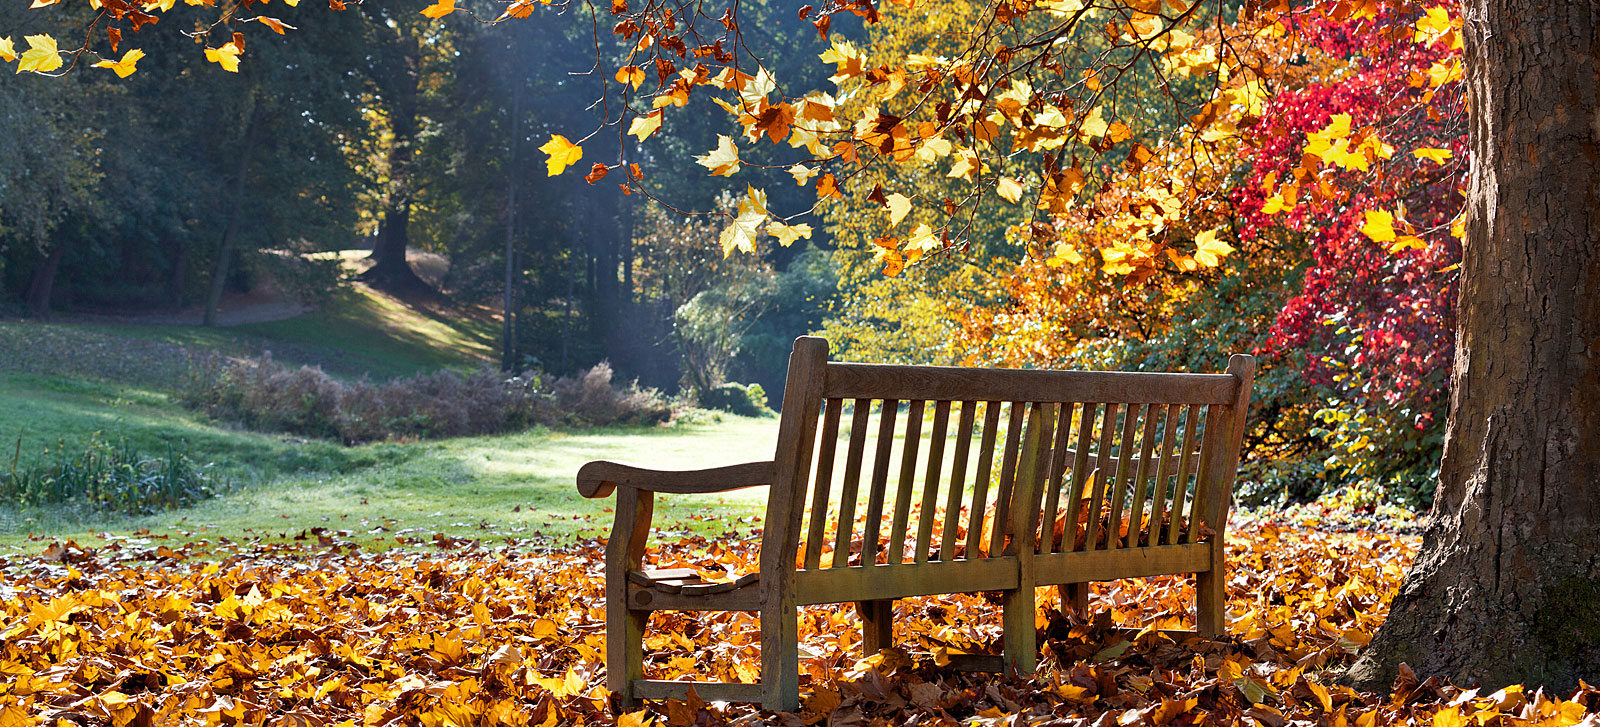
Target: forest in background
x,y
425,134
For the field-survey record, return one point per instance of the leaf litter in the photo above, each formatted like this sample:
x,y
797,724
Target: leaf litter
x,y
318,633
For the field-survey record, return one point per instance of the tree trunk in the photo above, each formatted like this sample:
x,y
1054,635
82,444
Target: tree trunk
x,y
43,284
224,261
175,277
390,270
1506,588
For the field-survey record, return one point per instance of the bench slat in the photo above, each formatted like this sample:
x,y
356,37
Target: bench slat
x,y
1108,565
908,480
1202,479
1119,487
709,691
1008,478
1141,481
958,480
852,482
1096,508
980,489
930,481
1180,489
1080,474
1161,488
933,383
884,582
1055,478
827,443
880,481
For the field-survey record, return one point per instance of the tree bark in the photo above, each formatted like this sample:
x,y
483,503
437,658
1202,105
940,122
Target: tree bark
x,y
390,270
43,283
1506,588
224,261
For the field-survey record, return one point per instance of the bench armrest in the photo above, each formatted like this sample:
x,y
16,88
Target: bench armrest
x,y
599,478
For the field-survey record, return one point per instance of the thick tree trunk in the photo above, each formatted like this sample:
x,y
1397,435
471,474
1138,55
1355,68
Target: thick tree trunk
x,y
1506,588
43,283
390,270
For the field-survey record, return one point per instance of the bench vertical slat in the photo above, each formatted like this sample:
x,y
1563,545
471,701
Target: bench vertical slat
x,y
1080,473
852,482
1008,478
1159,491
930,481
1042,417
1176,529
958,480
880,481
908,481
827,444
1202,482
980,490
1119,483
1102,454
1141,481
1054,478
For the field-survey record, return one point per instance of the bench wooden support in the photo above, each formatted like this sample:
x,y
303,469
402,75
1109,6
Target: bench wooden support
x,y
1078,477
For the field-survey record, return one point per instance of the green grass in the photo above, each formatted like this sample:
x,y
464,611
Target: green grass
x,y
60,384
501,486
383,337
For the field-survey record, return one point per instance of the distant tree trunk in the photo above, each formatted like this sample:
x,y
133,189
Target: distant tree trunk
x,y
224,261
176,277
390,271
506,353
1506,588
43,282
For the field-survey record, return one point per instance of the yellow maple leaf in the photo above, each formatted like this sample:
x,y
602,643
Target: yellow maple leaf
x,y
227,56
1209,250
8,52
644,126
1439,156
802,174
1379,226
562,154
788,234
640,718
124,67
922,240
1010,189
723,161
898,206
631,75
440,9
42,3
1094,125
42,56
741,233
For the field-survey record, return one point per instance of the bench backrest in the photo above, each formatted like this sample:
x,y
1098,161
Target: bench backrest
x,y
936,460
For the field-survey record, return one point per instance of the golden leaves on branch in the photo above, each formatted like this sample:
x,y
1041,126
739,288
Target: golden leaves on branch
x,y
124,67
561,153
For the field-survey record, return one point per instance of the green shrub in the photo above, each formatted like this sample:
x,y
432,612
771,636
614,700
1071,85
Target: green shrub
x,y
111,475
744,400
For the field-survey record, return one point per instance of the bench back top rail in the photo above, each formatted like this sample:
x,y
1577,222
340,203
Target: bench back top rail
x,y
932,461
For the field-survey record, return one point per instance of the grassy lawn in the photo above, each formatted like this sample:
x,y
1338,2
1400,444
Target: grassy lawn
x,y
63,384
511,485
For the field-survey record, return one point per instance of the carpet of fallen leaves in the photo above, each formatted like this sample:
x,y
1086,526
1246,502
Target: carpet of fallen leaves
x,y
301,633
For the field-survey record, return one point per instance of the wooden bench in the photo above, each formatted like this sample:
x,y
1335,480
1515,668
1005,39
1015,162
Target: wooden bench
x,y
1105,475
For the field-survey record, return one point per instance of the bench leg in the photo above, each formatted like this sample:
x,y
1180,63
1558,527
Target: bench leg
x,y
625,652
1074,598
1020,634
877,626
1211,604
780,659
